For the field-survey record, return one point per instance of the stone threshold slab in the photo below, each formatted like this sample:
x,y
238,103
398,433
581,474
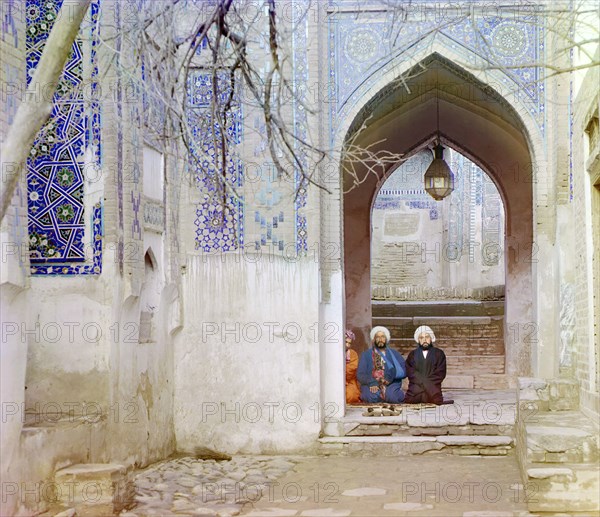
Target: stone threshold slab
x,y
483,440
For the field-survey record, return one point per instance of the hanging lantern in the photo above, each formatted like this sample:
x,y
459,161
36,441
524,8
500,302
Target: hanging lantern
x,y
439,179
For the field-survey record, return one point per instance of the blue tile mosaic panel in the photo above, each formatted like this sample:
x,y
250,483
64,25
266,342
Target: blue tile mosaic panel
x,y
55,167
280,222
492,217
220,215
404,188
362,43
93,265
460,209
300,67
270,206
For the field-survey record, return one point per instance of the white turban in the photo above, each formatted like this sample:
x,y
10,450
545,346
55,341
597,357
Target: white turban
x,y
424,329
375,330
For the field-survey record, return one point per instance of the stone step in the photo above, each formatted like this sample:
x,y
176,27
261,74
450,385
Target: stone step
x,y
458,381
457,346
467,321
482,326
46,443
484,413
561,437
94,488
562,488
445,330
474,412
446,308
483,445
478,380
484,381
389,429
558,447
474,364
470,364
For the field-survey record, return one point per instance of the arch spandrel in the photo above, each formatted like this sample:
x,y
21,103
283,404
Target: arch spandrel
x,y
388,78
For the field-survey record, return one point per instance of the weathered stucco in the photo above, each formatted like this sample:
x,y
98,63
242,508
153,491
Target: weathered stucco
x,y
247,370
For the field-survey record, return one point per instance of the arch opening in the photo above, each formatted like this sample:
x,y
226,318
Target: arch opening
x,y
441,262
484,128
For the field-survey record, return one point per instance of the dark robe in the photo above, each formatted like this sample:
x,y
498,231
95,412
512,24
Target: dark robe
x,y
425,375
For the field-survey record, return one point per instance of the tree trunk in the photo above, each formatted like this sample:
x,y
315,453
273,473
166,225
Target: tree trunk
x,y
35,109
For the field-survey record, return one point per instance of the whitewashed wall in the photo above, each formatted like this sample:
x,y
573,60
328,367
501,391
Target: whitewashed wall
x,y
247,359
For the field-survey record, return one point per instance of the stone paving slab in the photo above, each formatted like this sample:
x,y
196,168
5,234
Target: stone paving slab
x,y
477,407
338,486
426,486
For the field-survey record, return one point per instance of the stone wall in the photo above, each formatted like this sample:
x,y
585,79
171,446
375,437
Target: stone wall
x,y
424,249
253,350
585,213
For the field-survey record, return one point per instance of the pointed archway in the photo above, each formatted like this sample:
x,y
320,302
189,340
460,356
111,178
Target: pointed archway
x,y
480,124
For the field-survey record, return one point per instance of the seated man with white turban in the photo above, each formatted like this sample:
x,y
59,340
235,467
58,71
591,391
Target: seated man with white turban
x,y
426,369
381,370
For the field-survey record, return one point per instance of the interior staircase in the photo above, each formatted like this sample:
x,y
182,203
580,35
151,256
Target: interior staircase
x,y
471,333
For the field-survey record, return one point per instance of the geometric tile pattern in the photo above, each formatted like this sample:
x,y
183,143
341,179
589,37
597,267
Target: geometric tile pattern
x,y
273,219
219,215
55,166
460,208
361,43
300,75
492,215
270,209
93,265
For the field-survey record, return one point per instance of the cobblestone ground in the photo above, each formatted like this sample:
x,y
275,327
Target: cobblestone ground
x,y
189,486
255,486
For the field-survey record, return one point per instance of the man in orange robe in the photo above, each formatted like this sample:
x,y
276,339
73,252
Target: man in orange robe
x,y
352,387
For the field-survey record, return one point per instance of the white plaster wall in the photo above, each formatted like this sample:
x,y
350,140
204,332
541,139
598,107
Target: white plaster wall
x,y
141,374
67,343
247,359
124,388
12,382
333,357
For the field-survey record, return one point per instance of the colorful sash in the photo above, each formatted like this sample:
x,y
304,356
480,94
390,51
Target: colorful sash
x,y
378,371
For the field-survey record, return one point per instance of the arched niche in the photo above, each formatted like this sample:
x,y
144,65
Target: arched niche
x,y
150,298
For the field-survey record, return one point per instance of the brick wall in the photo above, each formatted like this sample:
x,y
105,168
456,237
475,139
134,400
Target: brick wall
x,y
586,214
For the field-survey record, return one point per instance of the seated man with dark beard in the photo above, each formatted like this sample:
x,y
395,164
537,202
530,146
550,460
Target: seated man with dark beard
x,y
381,370
426,369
